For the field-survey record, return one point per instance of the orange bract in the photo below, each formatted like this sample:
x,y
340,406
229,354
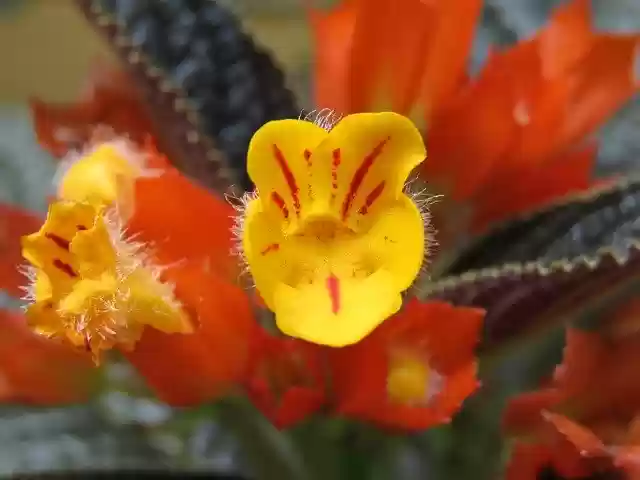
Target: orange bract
x,y
506,141
603,424
284,379
181,220
14,223
36,371
439,335
191,369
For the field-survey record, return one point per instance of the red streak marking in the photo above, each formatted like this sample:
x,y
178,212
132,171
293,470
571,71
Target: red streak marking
x,y
59,241
87,342
307,156
279,201
333,285
81,227
289,177
334,168
371,198
64,267
274,247
358,176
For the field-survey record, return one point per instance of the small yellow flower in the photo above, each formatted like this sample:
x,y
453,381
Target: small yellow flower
x,y
331,239
104,175
91,286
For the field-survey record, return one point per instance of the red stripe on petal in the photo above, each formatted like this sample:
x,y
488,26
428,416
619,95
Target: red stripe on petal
x,y
289,177
333,286
64,267
279,201
358,176
58,240
371,198
274,247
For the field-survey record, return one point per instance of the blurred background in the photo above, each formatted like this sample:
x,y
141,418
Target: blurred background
x,y
46,48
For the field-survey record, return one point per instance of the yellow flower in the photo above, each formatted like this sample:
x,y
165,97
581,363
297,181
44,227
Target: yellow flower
x,y
331,238
91,286
104,175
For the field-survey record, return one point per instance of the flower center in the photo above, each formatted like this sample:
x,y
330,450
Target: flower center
x,y
410,380
325,230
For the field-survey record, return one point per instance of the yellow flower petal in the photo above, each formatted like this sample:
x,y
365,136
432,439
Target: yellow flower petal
x,y
93,250
303,171
49,249
89,296
336,311
151,302
344,218
102,177
396,242
278,163
91,287
369,157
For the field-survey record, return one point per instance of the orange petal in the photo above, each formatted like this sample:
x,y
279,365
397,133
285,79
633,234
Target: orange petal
x,y
194,368
566,39
38,371
446,334
587,443
14,223
182,220
469,138
515,189
448,51
285,378
605,80
333,35
523,414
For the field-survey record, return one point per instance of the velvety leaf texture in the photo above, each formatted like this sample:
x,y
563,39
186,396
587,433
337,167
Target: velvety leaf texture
x,y
555,261
197,48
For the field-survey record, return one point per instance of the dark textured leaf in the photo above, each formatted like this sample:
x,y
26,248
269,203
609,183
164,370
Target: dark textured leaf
x,y
606,216
197,47
551,264
178,124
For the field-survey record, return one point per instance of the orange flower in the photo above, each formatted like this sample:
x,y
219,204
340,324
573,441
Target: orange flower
x,y
578,452
506,141
285,378
367,49
39,372
14,223
603,428
589,359
412,372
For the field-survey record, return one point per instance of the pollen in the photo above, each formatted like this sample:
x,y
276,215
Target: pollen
x,y
411,380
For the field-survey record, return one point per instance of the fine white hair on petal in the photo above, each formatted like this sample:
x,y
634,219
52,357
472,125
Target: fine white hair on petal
x,y
325,118
423,200
239,204
29,289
